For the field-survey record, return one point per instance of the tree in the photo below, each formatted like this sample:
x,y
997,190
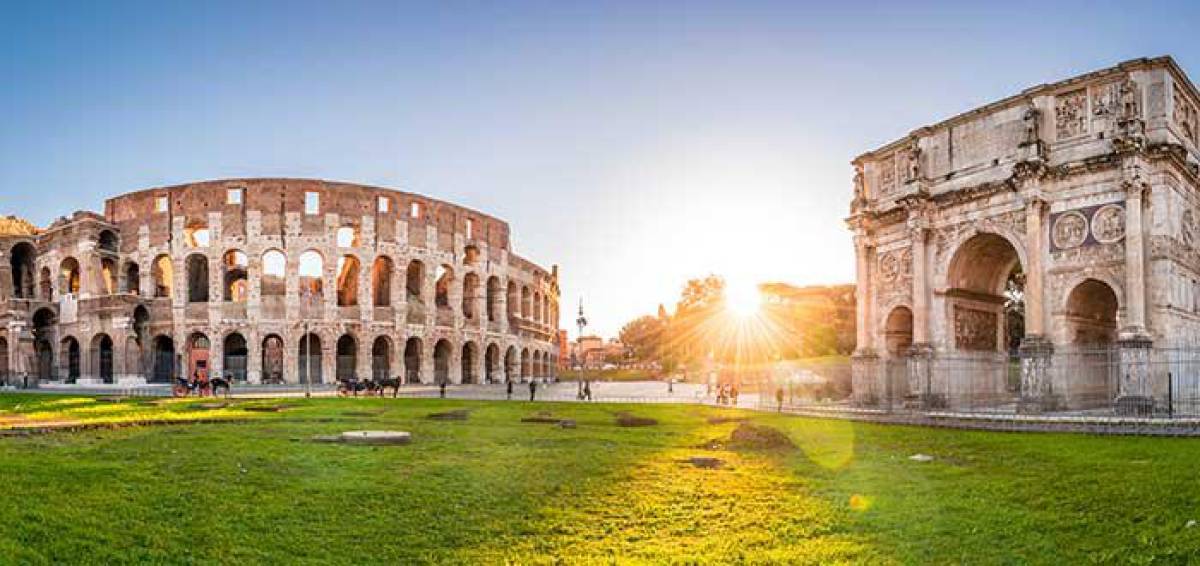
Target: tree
x,y
644,337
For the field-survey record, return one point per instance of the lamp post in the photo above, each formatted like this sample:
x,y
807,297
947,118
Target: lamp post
x,y
581,322
307,362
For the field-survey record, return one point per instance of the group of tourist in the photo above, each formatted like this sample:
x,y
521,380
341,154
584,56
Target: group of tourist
x,y
727,394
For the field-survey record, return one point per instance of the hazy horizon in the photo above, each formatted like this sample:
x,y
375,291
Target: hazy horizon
x,y
635,145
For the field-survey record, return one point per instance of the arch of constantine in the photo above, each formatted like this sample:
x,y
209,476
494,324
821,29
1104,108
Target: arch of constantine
x,y
1039,253
273,281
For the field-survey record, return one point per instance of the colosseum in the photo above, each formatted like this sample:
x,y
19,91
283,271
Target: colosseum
x,y
273,281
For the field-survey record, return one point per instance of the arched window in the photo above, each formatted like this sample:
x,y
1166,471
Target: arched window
x,y
537,307
274,267
163,272
493,298
347,237
514,300
381,281
197,278
310,358
347,281
272,359
70,276
133,278
108,241
381,358
470,355
108,276
445,277
312,266
441,361
470,295
197,234
414,280
412,360
526,303
21,260
102,357
235,354
347,358
236,283
69,358
46,285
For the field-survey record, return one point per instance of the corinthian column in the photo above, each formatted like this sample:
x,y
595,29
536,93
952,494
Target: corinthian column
x,y
1135,264
865,333
1035,315
920,285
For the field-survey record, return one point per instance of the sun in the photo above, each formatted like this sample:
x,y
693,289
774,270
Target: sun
x,y
743,298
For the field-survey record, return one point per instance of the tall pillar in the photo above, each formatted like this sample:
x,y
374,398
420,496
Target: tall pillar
x,y
1036,350
1134,395
1135,264
862,294
865,372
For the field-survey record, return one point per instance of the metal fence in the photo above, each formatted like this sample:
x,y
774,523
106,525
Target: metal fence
x,y
1138,381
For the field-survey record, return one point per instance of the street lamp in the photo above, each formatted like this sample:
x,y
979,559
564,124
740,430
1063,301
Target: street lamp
x,y
307,362
581,322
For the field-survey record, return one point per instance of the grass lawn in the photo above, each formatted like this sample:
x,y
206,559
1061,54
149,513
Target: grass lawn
x,y
495,490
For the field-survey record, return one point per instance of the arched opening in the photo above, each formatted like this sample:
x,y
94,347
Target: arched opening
x,y
198,351
347,237
1091,314
413,281
513,300
470,295
108,276
526,365
412,360
347,358
309,359
133,278
69,358
235,279
163,274
445,278
512,364
381,358
5,377
312,266
135,344
470,254
197,278
274,266
107,241
234,357
163,352
21,259
493,298
526,303
470,353
46,284
985,294
69,278
537,307
102,357
272,359
898,332
347,281
381,281
491,363
44,325
441,361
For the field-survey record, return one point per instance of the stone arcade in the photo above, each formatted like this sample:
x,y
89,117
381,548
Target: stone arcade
x,y
1079,197
267,280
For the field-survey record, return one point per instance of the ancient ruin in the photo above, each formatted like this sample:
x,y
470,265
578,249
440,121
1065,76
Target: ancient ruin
x,y
1038,253
273,281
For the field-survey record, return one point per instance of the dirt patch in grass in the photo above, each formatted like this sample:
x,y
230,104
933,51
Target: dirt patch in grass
x,y
545,418
454,415
630,420
750,436
723,420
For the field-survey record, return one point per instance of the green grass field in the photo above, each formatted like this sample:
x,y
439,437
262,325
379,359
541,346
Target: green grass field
x,y
495,490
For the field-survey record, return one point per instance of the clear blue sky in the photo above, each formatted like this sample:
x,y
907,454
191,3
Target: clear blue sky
x,y
634,144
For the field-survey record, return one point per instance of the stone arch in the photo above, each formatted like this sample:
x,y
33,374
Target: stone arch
x,y
513,300
348,269
273,281
45,327
196,234
381,358
493,298
526,303
235,266
974,288
46,285
163,273
442,352
537,306
470,357
309,358
272,359
199,347
69,278
102,357
512,364
347,358
412,360
133,278
196,268
108,276
526,364
107,241
470,294
491,363
414,281
311,272
898,331
69,358
1090,313
235,356
21,259
445,279
163,359
381,281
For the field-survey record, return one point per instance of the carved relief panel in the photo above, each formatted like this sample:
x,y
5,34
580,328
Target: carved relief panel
x,y
887,176
1070,114
975,329
1090,226
1185,116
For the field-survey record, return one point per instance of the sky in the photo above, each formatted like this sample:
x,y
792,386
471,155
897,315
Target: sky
x,y
633,144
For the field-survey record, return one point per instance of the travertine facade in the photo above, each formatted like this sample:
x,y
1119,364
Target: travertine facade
x,y
1089,186
246,276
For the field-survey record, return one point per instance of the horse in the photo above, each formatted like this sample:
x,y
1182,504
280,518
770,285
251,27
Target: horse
x,y
392,382
219,383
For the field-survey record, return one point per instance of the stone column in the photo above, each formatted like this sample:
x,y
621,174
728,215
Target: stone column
x,y
1135,264
865,363
1036,351
1133,391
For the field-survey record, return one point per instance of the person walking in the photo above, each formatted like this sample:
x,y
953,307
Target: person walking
x,y
442,390
587,390
509,386
779,398
532,389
